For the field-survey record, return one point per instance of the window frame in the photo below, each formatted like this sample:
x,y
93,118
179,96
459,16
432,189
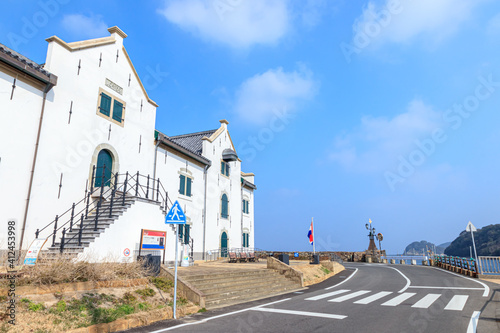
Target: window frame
x,y
225,168
114,100
226,216
185,183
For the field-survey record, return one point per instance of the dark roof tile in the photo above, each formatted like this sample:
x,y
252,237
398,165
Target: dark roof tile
x,y
13,54
193,141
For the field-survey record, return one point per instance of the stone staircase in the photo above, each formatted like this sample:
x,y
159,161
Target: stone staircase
x,y
224,288
71,247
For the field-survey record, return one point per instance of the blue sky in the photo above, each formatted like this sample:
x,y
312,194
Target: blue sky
x,y
345,110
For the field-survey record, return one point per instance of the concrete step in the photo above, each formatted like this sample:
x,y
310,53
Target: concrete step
x,y
243,291
229,285
227,274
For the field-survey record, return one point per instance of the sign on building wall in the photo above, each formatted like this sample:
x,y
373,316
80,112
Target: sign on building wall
x,y
153,239
110,84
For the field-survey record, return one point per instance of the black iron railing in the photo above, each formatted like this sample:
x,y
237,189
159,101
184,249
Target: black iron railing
x,y
113,190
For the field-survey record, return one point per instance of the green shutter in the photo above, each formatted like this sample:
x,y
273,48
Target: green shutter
x,y
248,204
105,106
182,184
186,234
188,186
243,201
227,169
248,242
181,231
224,204
244,239
117,111
222,167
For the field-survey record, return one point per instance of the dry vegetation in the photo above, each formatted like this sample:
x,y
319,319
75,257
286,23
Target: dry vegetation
x,y
63,311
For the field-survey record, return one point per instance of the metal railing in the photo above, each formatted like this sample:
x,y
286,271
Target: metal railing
x,y
223,253
467,266
114,190
489,265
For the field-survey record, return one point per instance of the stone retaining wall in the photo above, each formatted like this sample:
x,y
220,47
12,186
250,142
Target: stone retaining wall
x,y
284,269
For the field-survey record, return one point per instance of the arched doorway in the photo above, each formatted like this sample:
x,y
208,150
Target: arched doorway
x,y
104,163
223,244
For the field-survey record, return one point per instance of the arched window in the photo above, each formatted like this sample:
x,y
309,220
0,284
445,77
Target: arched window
x,y
224,212
103,168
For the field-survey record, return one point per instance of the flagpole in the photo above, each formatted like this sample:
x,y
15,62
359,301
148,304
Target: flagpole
x,y
314,240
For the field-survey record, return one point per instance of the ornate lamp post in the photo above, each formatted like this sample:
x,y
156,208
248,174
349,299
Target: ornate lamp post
x,y
372,247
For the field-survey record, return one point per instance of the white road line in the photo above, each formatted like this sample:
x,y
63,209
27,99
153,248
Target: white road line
x,y
486,288
338,284
346,297
454,288
373,298
315,298
457,303
473,322
408,282
427,301
301,313
398,299
219,316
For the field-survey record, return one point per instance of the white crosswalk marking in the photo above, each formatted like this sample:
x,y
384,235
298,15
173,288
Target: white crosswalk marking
x,y
333,293
427,301
346,297
373,298
398,299
457,303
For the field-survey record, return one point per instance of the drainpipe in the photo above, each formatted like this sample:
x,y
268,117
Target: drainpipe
x,y
45,91
205,211
156,153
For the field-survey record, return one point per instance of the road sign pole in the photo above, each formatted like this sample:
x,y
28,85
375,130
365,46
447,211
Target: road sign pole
x,y
474,244
175,275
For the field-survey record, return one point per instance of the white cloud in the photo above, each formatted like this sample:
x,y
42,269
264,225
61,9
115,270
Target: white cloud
x,y
260,96
401,21
236,23
378,142
81,26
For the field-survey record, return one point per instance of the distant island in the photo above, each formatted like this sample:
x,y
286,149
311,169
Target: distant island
x,y
487,242
421,248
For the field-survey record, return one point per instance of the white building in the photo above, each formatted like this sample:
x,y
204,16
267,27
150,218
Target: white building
x,y
83,120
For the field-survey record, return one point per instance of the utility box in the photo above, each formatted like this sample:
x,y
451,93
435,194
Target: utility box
x,y
284,258
315,259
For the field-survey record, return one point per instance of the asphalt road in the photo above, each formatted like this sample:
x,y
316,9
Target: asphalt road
x,y
363,298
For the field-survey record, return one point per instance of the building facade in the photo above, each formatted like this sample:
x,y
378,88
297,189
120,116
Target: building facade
x,y
78,133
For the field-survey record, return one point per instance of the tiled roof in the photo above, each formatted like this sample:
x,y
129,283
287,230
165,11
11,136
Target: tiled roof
x,y
192,142
17,56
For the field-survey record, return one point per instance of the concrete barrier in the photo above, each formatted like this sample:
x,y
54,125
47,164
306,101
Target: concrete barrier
x,y
288,271
186,290
393,261
413,262
402,261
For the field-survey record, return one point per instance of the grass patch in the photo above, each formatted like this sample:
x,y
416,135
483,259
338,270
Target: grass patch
x,y
162,283
146,292
202,310
325,270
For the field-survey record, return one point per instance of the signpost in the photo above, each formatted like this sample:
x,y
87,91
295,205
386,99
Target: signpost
x,y
153,240
470,227
175,216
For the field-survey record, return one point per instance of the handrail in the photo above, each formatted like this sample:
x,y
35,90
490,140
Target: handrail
x,y
125,184
467,266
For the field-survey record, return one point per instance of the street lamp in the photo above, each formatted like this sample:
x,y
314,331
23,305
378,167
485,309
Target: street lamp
x,y
371,236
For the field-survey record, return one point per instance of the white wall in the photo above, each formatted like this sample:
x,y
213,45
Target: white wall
x,y
69,148
18,130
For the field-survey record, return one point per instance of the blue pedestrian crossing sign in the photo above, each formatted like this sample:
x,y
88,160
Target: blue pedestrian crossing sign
x,y
175,215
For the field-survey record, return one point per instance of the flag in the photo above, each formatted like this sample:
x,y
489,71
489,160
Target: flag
x,y
310,234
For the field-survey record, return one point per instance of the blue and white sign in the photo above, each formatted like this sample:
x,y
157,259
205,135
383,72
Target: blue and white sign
x,y
175,215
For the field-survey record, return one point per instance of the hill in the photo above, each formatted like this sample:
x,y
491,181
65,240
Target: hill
x,y
487,242
417,248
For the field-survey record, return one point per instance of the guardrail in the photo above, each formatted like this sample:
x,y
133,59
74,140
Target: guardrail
x,y
466,266
489,265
